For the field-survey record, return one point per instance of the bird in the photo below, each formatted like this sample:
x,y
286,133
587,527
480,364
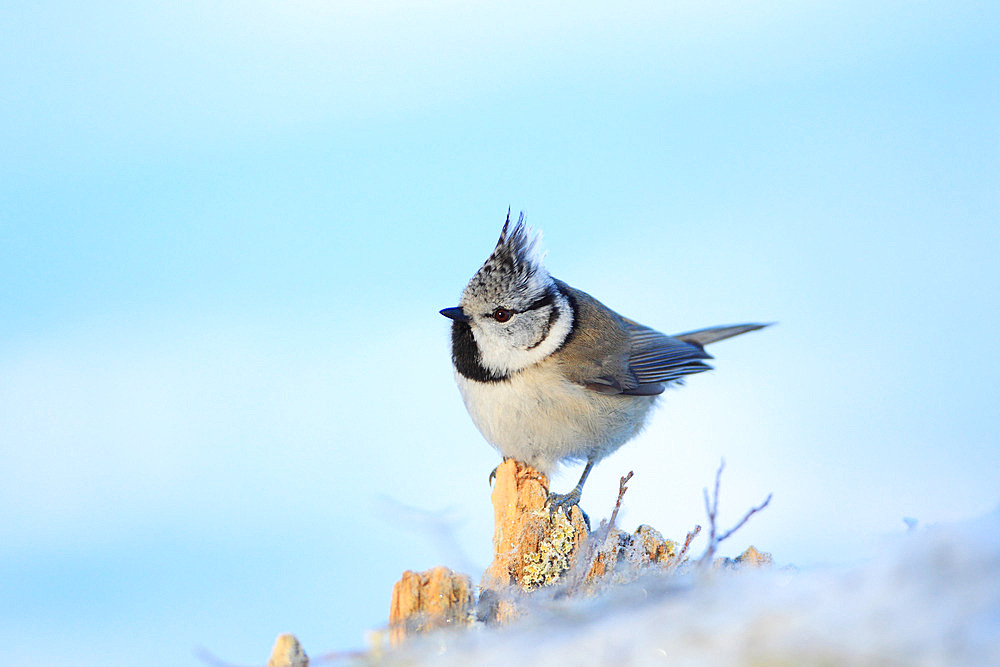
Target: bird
x,y
549,374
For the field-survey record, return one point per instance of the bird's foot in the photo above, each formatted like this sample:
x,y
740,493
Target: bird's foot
x,y
566,502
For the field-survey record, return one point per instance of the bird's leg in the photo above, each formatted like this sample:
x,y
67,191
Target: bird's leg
x,y
567,501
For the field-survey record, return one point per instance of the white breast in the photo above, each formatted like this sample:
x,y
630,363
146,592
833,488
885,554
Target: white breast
x,y
538,417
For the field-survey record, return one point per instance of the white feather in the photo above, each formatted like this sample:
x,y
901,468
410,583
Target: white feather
x,y
539,417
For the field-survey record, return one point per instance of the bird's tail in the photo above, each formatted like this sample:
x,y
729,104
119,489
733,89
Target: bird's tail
x,y
703,337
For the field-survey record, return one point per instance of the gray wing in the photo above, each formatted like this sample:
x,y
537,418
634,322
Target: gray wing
x,y
657,359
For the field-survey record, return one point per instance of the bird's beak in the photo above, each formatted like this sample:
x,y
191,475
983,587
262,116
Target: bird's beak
x,y
456,314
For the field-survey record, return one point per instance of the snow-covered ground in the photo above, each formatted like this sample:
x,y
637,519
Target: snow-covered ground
x,y
931,597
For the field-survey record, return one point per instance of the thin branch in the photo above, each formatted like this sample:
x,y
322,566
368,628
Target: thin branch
x,y
618,504
679,558
712,509
578,573
746,517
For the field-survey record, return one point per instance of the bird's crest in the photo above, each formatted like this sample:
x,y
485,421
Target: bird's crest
x,y
514,269
517,256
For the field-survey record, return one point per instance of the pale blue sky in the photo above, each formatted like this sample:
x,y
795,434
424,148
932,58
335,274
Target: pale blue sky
x,y
226,230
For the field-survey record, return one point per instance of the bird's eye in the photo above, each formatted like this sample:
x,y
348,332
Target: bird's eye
x,y
502,314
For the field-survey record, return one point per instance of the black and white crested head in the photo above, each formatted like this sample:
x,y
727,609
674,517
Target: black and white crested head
x,y
514,272
516,313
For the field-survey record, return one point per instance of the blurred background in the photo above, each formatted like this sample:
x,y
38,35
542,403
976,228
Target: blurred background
x,y
226,402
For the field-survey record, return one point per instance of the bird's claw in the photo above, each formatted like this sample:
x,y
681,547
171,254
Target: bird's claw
x,y
566,502
493,473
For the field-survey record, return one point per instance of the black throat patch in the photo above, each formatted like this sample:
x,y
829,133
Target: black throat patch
x,y
465,355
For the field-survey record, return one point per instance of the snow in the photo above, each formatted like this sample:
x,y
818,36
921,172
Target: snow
x,y
930,597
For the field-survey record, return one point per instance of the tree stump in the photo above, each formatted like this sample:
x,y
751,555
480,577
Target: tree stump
x,y
532,547
422,601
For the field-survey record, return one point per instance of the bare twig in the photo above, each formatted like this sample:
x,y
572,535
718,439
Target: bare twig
x,y
679,558
746,517
614,513
578,574
712,509
618,504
